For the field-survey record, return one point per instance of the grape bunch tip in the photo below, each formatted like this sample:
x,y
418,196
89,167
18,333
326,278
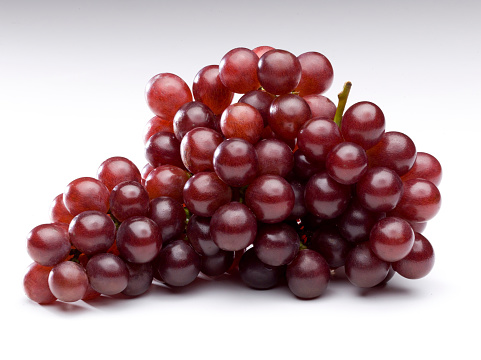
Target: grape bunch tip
x,y
282,188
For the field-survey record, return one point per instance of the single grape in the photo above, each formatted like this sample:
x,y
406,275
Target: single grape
x,y
35,284
192,115
117,169
48,244
317,138
238,70
199,236
257,275
346,163
166,180
204,193
242,121
235,162
163,148
178,264
276,244
140,278
391,239
363,123
197,149
107,273
316,73
287,114
169,215
217,264
92,232
84,194
274,157
261,50
420,260
425,167
127,199
299,210
326,198
395,151
233,227
305,168
328,242
380,189
271,198
209,89
68,281
165,93
279,71
420,201
363,268
138,240
320,106
308,274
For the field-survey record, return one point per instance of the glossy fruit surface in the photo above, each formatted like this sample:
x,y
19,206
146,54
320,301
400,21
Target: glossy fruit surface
x,y
287,114
276,244
68,281
346,163
316,73
197,149
169,215
257,275
420,260
191,115
48,244
317,138
208,88
35,284
166,180
92,232
127,199
426,167
107,274
391,239
363,268
238,70
274,157
84,194
279,71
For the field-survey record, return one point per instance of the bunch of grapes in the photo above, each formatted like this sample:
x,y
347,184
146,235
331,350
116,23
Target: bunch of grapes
x,y
278,186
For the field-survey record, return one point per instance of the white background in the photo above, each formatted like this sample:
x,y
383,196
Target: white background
x,y
72,77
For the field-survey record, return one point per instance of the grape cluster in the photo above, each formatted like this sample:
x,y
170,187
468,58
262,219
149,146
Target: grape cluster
x,y
279,186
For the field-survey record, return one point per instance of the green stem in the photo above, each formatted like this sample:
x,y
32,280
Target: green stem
x,y
342,103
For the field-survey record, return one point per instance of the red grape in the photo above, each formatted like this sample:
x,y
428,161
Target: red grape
x,y
238,70
316,74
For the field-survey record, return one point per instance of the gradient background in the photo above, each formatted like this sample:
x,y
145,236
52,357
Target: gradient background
x,y
72,76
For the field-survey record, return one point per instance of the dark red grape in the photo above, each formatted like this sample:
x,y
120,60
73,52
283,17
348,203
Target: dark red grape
x,y
107,274
233,227
304,168
166,93
420,201
198,233
197,149
425,167
127,199
395,151
138,239
316,74
380,189
299,210
48,244
238,70
287,114
279,71
420,260
308,274
391,239
235,162
140,279
242,121
166,180
92,232
35,284
204,193
271,198
317,138
320,106
363,268
328,242
274,157
276,244
169,215
178,264
192,115
326,198
217,264
117,169
163,148
363,123
209,89
257,275
346,163
68,281
84,194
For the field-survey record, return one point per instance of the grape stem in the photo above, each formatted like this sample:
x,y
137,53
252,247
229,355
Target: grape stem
x,y
342,103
